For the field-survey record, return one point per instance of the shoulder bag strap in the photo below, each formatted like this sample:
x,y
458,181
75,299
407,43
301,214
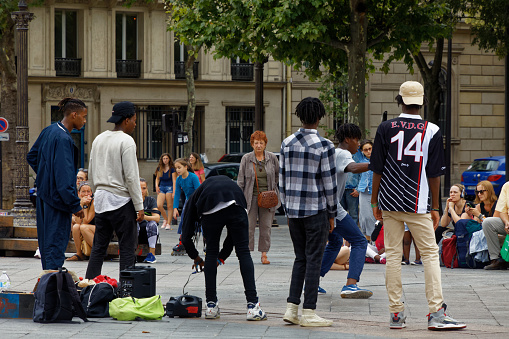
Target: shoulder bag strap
x,y
76,301
256,177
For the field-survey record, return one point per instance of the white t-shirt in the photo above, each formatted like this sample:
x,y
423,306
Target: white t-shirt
x,y
343,158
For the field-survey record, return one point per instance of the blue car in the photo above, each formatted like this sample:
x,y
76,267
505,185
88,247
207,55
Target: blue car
x,y
491,169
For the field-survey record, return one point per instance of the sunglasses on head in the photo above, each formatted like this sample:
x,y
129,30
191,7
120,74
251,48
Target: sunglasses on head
x,y
480,191
82,170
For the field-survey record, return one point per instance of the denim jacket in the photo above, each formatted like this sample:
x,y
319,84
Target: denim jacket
x,y
352,179
366,179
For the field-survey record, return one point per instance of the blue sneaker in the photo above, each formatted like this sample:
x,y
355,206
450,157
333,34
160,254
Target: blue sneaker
x,y
354,292
151,259
321,290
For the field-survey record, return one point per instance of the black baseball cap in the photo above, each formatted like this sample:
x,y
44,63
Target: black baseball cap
x,y
122,110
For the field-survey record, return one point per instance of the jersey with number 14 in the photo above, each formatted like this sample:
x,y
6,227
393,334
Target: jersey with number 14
x,y
407,150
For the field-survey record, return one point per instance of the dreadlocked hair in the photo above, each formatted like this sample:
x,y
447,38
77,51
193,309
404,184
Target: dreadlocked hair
x,y
310,110
69,105
348,130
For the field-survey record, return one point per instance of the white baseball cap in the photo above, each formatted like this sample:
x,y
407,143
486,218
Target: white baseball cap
x,y
412,93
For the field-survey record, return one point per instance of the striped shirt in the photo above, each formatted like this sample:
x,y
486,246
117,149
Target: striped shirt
x,y
406,152
307,175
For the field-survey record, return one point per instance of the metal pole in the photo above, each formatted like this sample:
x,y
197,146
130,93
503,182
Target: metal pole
x,y
506,115
258,66
22,19
447,179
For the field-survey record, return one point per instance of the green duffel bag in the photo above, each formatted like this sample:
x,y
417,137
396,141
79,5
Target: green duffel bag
x,y
131,308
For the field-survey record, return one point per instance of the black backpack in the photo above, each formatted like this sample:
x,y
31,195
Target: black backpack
x,y
56,299
96,298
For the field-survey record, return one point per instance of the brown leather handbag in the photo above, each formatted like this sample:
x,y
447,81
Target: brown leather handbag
x,y
266,199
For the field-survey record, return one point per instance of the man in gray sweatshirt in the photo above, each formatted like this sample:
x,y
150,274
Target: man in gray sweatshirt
x,y
114,176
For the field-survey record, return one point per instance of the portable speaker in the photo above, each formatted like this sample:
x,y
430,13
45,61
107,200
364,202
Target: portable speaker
x,y
138,282
185,306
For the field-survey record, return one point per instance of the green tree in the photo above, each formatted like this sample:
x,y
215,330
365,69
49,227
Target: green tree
x,y
314,34
490,25
184,23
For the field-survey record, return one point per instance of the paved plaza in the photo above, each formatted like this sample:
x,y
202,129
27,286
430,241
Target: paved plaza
x,y
479,298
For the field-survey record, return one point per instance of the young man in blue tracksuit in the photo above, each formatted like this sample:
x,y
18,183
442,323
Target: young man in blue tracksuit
x,y
54,158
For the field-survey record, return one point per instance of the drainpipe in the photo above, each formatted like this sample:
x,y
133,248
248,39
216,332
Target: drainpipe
x,y
288,101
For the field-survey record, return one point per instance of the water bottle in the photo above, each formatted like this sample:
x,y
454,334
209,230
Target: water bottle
x,y
5,282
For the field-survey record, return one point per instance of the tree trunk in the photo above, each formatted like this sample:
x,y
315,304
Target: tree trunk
x,y
8,104
431,76
356,51
191,104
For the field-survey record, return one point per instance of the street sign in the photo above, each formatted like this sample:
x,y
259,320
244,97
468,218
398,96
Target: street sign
x,y
4,136
4,125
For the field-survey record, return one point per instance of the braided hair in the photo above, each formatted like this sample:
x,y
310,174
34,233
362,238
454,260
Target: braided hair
x,y
69,105
310,110
348,130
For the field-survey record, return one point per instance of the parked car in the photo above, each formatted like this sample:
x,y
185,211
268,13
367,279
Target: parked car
x,y
231,157
230,169
237,157
490,168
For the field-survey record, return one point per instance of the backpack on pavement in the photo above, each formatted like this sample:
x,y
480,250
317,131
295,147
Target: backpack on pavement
x,y
96,298
449,253
57,299
463,244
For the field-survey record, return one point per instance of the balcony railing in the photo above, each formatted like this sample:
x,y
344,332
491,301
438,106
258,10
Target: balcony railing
x,y
242,71
67,67
128,68
180,69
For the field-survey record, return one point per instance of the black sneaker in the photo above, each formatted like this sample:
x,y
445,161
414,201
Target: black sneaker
x,y
179,250
440,321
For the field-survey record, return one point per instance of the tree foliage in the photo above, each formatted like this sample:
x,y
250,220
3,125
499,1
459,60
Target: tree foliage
x,y
490,25
316,34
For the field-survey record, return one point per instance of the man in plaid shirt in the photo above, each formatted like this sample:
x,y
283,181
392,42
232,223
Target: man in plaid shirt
x,y
307,184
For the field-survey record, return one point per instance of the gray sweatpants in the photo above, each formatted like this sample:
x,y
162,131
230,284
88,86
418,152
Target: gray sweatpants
x,y
366,217
492,227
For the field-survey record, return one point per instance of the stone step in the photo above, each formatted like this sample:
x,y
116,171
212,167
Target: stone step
x,y
15,247
29,232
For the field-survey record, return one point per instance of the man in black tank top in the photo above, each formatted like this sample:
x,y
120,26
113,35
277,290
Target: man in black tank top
x,y
407,162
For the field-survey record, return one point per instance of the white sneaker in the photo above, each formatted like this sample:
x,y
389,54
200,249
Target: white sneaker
x,y
292,314
37,254
310,319
254,312
212,311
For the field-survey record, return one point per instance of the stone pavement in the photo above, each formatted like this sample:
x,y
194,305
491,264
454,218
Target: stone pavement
x,y
478,297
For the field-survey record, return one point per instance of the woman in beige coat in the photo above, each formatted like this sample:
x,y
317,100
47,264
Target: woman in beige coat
x,y
267,171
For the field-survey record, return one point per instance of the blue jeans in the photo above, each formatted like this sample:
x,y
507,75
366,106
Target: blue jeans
x,y
309,236
351,205
347,229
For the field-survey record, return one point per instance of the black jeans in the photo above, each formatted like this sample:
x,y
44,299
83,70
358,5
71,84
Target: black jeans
x,y
235,219
309,236
123,222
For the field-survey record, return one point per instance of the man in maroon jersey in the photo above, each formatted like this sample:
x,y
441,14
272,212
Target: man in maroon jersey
x,y
407,162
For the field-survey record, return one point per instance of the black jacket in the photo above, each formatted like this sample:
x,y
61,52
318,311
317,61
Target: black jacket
x,y
213,191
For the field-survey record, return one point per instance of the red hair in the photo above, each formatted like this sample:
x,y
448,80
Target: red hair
x,y
258,135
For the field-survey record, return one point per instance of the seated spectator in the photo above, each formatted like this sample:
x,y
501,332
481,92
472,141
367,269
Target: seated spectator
x,y
83,230
454,208
150,221
342,260
81,176
485,202
495,226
